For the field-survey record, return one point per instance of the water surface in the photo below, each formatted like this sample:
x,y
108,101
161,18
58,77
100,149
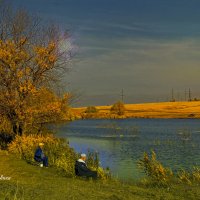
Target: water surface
x,y
121,143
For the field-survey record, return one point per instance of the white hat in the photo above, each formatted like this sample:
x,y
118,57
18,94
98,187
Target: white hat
x,y
83,155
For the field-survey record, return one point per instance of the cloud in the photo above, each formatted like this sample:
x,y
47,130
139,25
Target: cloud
x,y
141,46
139,65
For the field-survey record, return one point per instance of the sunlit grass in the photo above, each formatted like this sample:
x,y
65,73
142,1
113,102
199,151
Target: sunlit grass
x,y
32,182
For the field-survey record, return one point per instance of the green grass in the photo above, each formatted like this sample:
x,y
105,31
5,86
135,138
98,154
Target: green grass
x,y
32,182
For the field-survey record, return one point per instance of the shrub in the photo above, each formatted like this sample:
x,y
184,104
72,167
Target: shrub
x,y
189,177
90,112
93,164
91,109
93,159
184,177
5,139
118,108
196,174
58,151
154,169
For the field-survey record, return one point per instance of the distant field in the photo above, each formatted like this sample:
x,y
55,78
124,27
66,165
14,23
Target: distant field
x,y
150,110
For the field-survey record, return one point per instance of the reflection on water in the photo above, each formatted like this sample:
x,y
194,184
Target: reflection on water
x,y
121,143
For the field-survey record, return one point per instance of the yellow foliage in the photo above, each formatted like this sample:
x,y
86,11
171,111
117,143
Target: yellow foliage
x,y
196,174
31,58
58,151
45,56
5,126
154,169
102,173
190,177
118,108
184,177
21,68
10,54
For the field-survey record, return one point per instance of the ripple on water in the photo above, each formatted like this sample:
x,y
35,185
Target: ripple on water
x,y
120,148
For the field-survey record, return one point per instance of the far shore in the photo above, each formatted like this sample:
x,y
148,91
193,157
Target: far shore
x,y
163,110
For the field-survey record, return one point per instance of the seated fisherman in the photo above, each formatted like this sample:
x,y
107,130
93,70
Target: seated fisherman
x,y
40,157
81,168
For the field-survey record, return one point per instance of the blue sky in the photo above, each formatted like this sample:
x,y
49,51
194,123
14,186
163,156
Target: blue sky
x,y
145,47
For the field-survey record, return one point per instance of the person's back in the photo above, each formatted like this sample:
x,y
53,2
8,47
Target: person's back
x,y
81,168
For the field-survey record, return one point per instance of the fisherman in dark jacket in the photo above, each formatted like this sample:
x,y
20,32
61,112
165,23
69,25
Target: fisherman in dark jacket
x,y
81,168
40,157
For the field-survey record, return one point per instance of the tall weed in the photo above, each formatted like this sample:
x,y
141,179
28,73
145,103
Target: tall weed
x,y
93,162
154,169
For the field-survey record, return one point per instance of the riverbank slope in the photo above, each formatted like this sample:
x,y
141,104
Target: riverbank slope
x,y
34,183
147,110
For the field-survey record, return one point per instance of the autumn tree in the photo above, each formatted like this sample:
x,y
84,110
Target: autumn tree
x,y
33,58
118,108
91,109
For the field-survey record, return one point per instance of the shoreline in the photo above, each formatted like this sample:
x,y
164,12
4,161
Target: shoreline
x,y
31,182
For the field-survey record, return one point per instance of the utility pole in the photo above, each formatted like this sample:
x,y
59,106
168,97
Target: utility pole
x,y
178,96
122,95
190,99
185,95
172,99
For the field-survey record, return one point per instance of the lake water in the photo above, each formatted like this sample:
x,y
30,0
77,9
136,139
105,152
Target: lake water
x,y
121,143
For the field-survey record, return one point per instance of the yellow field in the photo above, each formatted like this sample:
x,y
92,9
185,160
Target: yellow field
x,y
148,110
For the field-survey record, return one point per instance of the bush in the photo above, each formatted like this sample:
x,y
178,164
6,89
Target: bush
x,y
189,177
196,174
154,169
5,139
118,108
91,109
184,177
90,112
93,164
58,151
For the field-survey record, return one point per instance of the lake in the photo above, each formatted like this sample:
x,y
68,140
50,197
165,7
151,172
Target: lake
x,y
122,142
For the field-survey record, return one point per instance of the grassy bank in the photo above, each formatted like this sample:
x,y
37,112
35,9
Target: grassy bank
x,y
150,110
32,182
